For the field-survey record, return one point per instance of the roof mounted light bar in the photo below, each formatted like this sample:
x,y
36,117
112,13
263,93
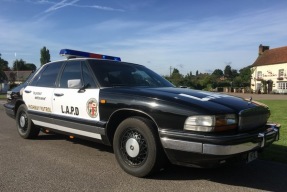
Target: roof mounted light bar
x,y
69,53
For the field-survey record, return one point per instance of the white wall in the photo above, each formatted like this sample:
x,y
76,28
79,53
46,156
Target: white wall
x,y
269,72
4,87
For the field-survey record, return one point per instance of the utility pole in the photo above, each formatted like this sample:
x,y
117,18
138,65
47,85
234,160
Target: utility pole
x,y
16,67
170,68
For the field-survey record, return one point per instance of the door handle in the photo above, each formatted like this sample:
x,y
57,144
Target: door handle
x,y
58,94
28,91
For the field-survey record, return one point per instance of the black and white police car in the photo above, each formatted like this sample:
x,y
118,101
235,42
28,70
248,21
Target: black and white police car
x,y
144,117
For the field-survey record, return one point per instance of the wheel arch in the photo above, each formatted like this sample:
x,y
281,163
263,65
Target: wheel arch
x,y
17,105
118,116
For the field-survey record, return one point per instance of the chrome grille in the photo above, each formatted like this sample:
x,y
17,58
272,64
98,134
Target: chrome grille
x,y
253,118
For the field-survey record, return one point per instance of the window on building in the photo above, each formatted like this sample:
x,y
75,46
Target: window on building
x,y
282,85
281,73
259,75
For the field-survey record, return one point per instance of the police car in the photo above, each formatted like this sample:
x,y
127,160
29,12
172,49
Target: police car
x,y
144,117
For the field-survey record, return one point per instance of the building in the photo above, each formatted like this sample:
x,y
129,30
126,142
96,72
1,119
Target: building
x,y
17,77
269,71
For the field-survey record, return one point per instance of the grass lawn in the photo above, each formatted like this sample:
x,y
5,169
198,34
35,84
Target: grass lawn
x,y
3,96
278,150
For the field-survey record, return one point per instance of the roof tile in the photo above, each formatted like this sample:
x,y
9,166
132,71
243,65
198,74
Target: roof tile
x,y
272,56
19,75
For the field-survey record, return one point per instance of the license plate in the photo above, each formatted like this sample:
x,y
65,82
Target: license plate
x,y
252,156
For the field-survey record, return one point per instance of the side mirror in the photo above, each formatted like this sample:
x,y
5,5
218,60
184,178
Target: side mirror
x,y
74,83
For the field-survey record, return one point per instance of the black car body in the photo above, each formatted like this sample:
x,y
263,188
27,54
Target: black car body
x,y
169,110
14,97
144,117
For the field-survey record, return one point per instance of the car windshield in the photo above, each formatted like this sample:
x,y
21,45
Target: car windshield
x,y
112,74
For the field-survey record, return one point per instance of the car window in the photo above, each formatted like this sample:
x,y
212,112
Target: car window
x,y
71,71
47,77
110,74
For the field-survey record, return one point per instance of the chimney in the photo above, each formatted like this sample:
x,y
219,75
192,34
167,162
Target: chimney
x,y
262,49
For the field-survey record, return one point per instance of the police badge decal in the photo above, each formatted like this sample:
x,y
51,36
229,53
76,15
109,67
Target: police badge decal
x,y
92,108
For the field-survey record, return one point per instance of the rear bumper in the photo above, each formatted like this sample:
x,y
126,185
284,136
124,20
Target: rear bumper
x,y
179,146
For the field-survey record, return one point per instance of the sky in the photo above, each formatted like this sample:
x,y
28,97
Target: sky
x,y
188,35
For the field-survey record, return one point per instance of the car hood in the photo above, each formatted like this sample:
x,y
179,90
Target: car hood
x,y
18,88
203,100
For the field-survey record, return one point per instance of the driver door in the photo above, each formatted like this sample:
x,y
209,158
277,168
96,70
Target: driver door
x,y
76,99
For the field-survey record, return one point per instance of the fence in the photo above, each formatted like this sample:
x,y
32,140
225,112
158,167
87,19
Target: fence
x,y
4,87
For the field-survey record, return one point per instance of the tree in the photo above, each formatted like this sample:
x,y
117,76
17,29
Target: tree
x,y
19,65
234,73
45,56
12,77
188,76
245,74
217,73
227,71
206,81
3,64
176,77
30,67
237,82
234,78
3,67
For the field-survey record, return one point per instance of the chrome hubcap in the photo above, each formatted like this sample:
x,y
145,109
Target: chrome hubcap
x,y
132,147
22,121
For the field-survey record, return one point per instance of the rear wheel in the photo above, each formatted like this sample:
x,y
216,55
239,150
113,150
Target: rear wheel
x,y
25,126
136,146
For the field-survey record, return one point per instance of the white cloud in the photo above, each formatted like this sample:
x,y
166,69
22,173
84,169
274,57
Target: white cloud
x,y
55,6
59,5
65,3
98,7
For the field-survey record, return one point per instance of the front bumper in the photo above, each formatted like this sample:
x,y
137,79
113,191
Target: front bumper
x,y
9,109
178,144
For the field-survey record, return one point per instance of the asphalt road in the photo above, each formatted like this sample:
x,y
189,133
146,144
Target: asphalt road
x,y
56,163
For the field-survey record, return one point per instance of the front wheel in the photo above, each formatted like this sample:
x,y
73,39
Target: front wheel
x,y
136,147
25,126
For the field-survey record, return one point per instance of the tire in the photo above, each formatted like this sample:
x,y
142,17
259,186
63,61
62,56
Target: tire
x,y
137,148
25,126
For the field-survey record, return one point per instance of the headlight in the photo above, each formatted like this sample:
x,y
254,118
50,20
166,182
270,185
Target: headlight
x,y
9,94
211,123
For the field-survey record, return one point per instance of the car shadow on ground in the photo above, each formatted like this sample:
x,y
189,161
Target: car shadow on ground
x,y
260,174
79,141
50,136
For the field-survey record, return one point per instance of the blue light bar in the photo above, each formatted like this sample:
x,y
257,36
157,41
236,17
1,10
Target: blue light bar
x,y
69,53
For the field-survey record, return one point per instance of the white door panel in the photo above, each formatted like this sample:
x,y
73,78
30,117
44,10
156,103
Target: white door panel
x,y
38,98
